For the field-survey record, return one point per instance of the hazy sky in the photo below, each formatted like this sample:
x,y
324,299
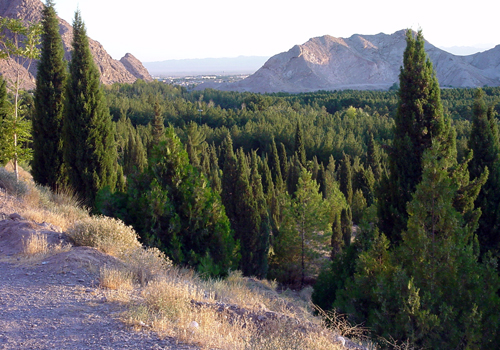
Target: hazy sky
x,y
156,30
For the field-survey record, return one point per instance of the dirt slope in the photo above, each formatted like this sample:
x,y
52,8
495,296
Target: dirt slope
x,y
55,302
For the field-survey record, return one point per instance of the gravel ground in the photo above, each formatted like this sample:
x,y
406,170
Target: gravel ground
x,y
55,302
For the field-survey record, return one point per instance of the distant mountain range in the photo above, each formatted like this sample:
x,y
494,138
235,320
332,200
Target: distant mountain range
x,y
126,70
219,66
361,62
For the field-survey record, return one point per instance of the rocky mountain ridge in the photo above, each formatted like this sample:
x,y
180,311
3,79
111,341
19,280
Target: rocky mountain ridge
x,y
127,70
362,62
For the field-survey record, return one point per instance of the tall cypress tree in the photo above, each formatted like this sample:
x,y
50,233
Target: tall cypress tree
x,y
373,158
484,142
229,179
283,162
49,104
275,165
262,221
158,128
345,178
419,120
89,144
299,145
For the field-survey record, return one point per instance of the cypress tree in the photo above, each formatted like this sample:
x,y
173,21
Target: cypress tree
x,y
299,145
484,143
373,158
134,155
46,166
262,221
246,222
337,241
346,225
229,178
275,165
89,144
157,127
346,178
294,171
283,162
215,172
419,120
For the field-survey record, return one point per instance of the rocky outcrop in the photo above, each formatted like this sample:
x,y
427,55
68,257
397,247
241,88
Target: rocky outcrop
x,y
112,71
362,62
134,66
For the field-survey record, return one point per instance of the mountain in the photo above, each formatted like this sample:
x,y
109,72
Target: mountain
x,y
361,62
236,65
127,70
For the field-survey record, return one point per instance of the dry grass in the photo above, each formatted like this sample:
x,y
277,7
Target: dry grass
x,y
167,308
146,264
114,278
36,244
63,217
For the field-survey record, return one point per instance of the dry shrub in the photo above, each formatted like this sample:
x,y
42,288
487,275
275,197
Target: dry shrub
x,y
111,236
284,335
63,217
115,278
146,264
11,185
35,245
256,294
339,322
168,310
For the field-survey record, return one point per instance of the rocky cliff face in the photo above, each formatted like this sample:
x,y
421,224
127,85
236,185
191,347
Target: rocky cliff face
x,y
112,71
362,62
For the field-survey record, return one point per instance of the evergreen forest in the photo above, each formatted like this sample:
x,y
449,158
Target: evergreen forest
x,y
386,202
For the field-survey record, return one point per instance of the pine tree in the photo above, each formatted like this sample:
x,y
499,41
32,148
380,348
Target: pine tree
x,y
90,154
419,120
46,166
485,144
19,42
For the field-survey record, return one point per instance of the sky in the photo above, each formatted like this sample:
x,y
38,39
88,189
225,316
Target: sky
x,y
158,30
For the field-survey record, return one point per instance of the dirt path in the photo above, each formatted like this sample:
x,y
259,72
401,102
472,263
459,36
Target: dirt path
x,y
55,302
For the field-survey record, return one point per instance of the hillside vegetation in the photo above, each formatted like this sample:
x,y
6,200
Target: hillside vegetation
x,y
385,203
231,313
